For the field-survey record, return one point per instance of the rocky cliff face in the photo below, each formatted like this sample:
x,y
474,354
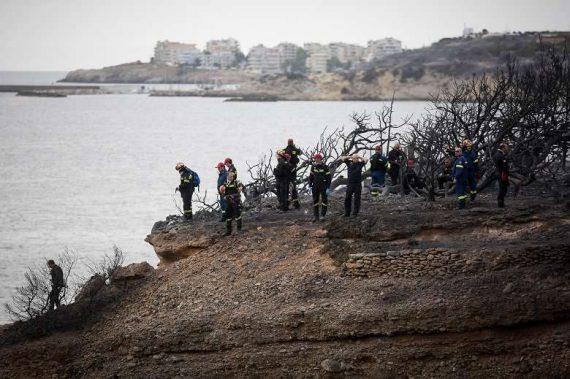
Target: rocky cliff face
x,y
406,289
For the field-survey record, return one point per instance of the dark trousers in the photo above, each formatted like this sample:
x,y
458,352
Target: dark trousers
x,y
223,206
187,203
472,183
460,191
395,173
54,300
503,188
320,199
442,179
283,193
294,195
233,212
352,190
378,179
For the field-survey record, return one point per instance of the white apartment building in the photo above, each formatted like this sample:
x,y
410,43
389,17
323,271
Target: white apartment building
x,y
287,51
264,60
380,48
223,46
173,53
346,53
221,59
318,55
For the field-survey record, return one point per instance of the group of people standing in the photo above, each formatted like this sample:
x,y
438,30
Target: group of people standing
x,y
463,171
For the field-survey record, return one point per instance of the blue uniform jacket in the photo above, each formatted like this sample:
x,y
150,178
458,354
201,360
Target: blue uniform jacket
x,y
472,160
459,171
222,177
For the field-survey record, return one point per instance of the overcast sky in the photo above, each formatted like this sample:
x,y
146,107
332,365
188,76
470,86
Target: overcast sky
x,y
71,34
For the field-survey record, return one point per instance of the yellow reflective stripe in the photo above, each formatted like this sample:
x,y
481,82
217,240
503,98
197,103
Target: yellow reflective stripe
x,y
462,197
473,192
459,165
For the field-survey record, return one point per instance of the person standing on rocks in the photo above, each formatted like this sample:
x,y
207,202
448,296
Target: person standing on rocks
x,y
459,174
188,182
502,168
57,284
320,182
230,165
378,166
354,164
294,154
232,190
282,173
395,157
472,159
222,177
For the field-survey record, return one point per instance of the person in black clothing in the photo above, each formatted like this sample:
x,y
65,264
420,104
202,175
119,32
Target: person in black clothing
x,y
395,157
412,179
186,188
57,284
354,164
232,192
320,182
282,173
230,166
378,167
502,169
445,175
294,154
222,178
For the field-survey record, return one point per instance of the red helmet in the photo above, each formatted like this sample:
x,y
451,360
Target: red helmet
x,y
410,162
228,161
220,165
318,156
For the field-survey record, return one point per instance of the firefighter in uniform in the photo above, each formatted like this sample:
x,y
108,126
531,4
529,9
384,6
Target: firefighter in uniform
x,y
232,192
186,188
459,174
472,159
502,167
378,167
320,182
282,173
294,154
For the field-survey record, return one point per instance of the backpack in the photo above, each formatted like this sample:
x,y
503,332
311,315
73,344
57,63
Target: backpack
x,y
195,179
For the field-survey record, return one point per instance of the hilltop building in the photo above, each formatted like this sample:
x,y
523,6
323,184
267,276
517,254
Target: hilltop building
x,y
346,53
380,48
264,60
173,53
287,51
318,56
229,45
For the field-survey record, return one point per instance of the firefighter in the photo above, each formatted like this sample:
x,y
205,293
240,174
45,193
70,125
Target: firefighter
x,y
502,169
282,173
232,190
320,182
459,173
378,167
230,166
294,154
395,157
222,177
354,165
186,188
57,284
472,159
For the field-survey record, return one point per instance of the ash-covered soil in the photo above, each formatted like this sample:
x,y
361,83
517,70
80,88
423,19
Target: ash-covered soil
x,y
406,289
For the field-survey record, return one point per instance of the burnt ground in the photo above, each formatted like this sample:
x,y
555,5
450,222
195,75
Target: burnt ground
x,y
406,289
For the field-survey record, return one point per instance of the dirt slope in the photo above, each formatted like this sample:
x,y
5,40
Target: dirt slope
x,y
478,293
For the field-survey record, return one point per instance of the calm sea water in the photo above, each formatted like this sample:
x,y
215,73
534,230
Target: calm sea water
x,y
88,172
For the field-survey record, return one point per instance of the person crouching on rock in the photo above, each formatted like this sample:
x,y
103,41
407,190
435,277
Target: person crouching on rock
x,y
57,284
232,192
354,163
186,188
320,182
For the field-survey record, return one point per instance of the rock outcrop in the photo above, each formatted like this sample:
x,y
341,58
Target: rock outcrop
x,y
405,289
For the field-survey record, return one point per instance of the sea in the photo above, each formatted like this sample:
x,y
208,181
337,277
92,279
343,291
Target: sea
x,y
88,172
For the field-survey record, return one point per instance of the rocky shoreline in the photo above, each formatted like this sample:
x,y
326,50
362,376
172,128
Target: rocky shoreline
x,y
404,290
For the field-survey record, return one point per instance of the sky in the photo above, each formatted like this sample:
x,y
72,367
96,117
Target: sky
x,y
70,34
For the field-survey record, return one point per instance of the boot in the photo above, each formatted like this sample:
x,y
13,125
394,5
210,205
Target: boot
x,y
461,204
472,196
228,227
501,203
238,223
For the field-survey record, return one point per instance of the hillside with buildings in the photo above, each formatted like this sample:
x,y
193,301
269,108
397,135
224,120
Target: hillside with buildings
x,y
334,71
